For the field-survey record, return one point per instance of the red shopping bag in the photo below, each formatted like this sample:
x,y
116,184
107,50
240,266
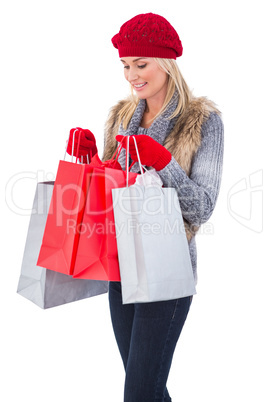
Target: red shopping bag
x,y
61,235
96,256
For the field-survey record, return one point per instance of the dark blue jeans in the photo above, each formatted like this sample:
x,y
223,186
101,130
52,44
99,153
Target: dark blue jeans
x,y
146,334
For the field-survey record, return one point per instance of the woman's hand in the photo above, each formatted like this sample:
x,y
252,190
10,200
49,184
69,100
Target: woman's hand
x,y
87,145
151,152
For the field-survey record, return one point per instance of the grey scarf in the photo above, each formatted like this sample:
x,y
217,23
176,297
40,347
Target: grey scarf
x,y
159,129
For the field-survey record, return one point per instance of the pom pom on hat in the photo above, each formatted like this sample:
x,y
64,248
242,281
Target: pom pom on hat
x,y
148,35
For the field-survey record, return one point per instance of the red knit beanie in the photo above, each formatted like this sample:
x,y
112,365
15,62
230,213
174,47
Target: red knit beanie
x,y
148,35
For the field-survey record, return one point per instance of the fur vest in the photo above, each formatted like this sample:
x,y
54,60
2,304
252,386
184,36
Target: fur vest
x,y
182,142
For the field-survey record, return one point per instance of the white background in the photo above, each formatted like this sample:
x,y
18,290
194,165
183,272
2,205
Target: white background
x,y
59,70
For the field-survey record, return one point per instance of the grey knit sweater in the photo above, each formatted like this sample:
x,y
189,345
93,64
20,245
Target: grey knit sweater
x,y
198,192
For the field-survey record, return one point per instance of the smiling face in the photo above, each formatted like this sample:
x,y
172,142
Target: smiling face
x,y
146,77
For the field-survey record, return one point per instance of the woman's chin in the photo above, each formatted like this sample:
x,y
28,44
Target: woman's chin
x,y
140,96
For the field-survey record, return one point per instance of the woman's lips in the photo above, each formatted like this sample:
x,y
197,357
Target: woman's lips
x,y
139,88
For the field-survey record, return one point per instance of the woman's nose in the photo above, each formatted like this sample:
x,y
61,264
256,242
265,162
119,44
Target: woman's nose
x,y
132,75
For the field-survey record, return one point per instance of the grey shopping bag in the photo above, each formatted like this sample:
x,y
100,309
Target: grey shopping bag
x,y
44,287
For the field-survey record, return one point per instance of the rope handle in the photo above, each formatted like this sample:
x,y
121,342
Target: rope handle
x,y
139,161
79,138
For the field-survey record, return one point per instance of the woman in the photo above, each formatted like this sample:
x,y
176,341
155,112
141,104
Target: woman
x,y
182,138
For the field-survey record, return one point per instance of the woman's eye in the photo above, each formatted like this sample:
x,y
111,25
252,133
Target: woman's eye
x,y
141,66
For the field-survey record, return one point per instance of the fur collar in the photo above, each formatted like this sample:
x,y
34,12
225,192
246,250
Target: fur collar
x,y
183,141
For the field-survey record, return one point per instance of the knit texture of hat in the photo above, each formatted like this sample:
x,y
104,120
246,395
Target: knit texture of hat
x,y
148,35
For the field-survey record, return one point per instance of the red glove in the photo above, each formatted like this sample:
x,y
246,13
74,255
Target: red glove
x,y
151,152
87,145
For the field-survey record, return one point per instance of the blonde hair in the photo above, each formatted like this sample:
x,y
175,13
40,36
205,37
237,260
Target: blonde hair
x,y
175,81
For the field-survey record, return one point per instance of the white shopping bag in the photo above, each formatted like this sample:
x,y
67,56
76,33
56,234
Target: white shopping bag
x,y
153,251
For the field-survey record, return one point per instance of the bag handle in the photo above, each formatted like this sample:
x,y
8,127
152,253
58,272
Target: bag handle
x,y
82,157
78,145
117,152
142,167
139,161
116,155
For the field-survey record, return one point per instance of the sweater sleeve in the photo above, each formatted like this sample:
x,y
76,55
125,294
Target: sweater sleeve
x,y
198,192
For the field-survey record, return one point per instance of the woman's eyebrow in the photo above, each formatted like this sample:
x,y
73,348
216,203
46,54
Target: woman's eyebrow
x,y
140,58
